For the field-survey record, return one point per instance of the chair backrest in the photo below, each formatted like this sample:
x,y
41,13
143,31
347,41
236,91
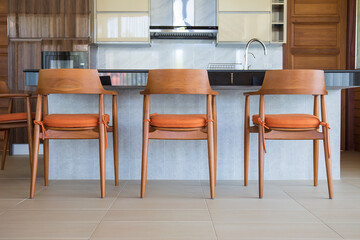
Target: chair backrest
x,y
308,82
178,81
4,88
69,81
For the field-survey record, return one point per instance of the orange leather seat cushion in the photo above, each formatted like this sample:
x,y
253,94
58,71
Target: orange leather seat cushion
x,y
72,120
289,120
178,120
14,117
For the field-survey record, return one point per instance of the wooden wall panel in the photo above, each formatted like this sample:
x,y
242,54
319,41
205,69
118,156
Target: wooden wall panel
x,y
315,62
316,7
49,18
314,35
316,32
357,119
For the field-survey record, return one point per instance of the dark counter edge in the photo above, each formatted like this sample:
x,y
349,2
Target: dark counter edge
x,y
238,79
248,71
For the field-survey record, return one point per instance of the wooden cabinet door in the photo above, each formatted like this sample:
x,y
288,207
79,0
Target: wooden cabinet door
x,y
122,27
244,5
123,5
241,27
316,34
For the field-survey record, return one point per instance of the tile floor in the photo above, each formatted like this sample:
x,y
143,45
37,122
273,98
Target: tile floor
x,y
179,209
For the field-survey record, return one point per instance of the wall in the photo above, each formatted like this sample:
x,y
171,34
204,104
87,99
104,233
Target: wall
x,y
184,53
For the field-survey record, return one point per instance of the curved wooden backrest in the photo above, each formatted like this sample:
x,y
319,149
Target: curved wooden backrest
x,y
77,81
178,81
4,88
309,82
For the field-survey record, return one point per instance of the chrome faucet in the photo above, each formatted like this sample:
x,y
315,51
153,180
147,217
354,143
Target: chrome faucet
x,y
246,67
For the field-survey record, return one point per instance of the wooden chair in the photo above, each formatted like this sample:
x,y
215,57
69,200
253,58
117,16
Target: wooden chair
x,y
14,120
289,126
180,126
73,126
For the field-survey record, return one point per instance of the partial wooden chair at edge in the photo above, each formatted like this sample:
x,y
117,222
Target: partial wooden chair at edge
x,y
12,120
289,126
180,126
73,126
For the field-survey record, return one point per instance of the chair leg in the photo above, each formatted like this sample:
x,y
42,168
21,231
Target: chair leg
x,y
211,156
215,152
261,165
5,147
102,160
246,139
246,156
46,162
115,140
116,156
145,152
328,168
316,161
35,156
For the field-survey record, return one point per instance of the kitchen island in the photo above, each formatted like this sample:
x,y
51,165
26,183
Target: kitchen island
x,y
78,159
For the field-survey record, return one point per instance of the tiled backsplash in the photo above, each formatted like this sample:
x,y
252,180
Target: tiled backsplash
x,y
185,54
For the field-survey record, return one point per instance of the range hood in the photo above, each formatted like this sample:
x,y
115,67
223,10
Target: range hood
x,y
183,24
179,32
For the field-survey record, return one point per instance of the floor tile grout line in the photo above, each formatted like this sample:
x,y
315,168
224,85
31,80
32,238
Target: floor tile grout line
x,y
208,210
115,198
315,215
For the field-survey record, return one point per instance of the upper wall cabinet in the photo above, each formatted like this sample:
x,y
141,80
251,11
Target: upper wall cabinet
x,y
123,5
125,21
242,20
244,5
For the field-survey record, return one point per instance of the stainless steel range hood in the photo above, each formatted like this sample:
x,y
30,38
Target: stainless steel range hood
x,y
183,24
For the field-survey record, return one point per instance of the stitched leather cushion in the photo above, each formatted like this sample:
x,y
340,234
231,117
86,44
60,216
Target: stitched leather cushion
x,y
289,120
14,117
178,120
72,120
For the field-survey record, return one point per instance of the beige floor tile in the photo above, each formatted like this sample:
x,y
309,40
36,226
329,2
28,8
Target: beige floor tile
x,y
19,167
354,181
255,204
335,203
262,216
85,204
251,191
158,203
78,189
155,230
157,215
347,230
338,215
164,189
46,230
227,230
9,203
324,195
338,185
52,216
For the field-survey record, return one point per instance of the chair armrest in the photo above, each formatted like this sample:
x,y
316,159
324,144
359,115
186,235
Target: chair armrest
x,y
251,93
110,92
15,95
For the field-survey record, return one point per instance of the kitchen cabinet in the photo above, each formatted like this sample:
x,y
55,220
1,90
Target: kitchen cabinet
x,y
122,27
125,21
123,5
244,5
252,26
242,20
